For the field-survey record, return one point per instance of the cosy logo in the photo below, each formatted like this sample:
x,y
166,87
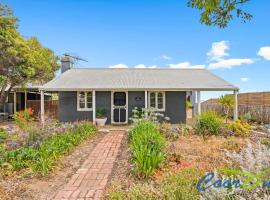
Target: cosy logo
x,y
248,180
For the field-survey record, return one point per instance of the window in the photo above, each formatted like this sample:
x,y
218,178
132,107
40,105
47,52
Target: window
x,y
157,100
84,101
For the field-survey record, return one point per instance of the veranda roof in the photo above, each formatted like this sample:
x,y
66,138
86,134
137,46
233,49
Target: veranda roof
x,y
77,79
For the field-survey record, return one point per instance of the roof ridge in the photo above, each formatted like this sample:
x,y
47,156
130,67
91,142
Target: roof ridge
x,y
107,68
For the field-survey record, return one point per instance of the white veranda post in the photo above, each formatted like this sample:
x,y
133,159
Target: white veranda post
x,y
198,102
14,102
235,110
145,102
25,100
94,106
42,109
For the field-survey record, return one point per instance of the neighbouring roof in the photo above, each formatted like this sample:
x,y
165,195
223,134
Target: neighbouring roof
x,y
27,87
135,79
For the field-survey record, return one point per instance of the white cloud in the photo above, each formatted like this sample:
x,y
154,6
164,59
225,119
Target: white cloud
x,y
153,66
141,66
264,52
185,65
218,50
118,66
244,79
164,57
229,63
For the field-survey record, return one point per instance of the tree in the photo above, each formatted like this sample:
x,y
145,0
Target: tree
x,y
227,102
22,60
220,12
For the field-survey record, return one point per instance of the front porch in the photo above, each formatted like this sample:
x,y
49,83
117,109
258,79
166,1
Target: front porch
x,y
118,104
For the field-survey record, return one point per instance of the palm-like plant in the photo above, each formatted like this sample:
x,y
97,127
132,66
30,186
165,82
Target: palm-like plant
x,y
227,102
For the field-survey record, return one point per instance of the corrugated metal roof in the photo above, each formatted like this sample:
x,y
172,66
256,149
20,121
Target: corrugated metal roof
x,y
135,79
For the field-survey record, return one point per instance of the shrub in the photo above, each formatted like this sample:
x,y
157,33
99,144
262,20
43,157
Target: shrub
x,y
246,117
41,159
188,104
101,113
208,123
3,134
240,128
22,118
147,114
147,147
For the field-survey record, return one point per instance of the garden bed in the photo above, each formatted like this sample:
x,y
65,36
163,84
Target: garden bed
x,y
190,157
29,186
211,145
36,159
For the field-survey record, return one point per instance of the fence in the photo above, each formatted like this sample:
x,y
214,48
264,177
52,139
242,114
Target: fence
x,y
51,107
257,104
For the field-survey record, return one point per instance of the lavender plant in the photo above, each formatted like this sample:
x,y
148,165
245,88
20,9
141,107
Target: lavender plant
x,y
254,164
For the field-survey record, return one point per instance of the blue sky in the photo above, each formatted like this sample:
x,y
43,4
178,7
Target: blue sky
x,y
152,33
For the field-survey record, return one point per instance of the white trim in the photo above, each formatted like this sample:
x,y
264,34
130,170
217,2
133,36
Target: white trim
x,y
146,102
14,102
156,100
199,102
94,105
112,107
42,109
25,100
145,99
85,101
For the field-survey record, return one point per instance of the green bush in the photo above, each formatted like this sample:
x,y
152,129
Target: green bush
x,y
208,123
3,134
147,147
41,159
240,128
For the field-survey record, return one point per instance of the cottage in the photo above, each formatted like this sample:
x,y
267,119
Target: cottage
x,y
84,90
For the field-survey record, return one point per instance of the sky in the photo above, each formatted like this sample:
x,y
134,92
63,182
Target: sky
x,y
152,33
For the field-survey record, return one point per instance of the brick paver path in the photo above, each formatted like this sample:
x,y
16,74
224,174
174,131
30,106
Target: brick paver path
x,y
91,178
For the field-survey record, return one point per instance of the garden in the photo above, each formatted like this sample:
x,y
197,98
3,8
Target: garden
x,y
199,161
31,153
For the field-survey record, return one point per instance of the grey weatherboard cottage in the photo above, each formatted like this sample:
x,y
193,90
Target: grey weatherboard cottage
x,y
84,90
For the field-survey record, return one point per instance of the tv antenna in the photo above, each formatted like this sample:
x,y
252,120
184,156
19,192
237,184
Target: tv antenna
x,y
75,58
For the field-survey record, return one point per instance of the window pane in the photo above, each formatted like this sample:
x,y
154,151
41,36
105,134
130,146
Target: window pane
x,y
152,100
89,104
160,95
119,98
81,99
89,99
160,100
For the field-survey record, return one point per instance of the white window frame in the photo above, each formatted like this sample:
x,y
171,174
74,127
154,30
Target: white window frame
x,y
156,100
85,101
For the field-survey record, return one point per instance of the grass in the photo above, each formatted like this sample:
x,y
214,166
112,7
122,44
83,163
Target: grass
x,y
42,158
181,185
147,148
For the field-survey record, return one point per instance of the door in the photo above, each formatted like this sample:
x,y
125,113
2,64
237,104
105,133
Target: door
x,y
119,108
